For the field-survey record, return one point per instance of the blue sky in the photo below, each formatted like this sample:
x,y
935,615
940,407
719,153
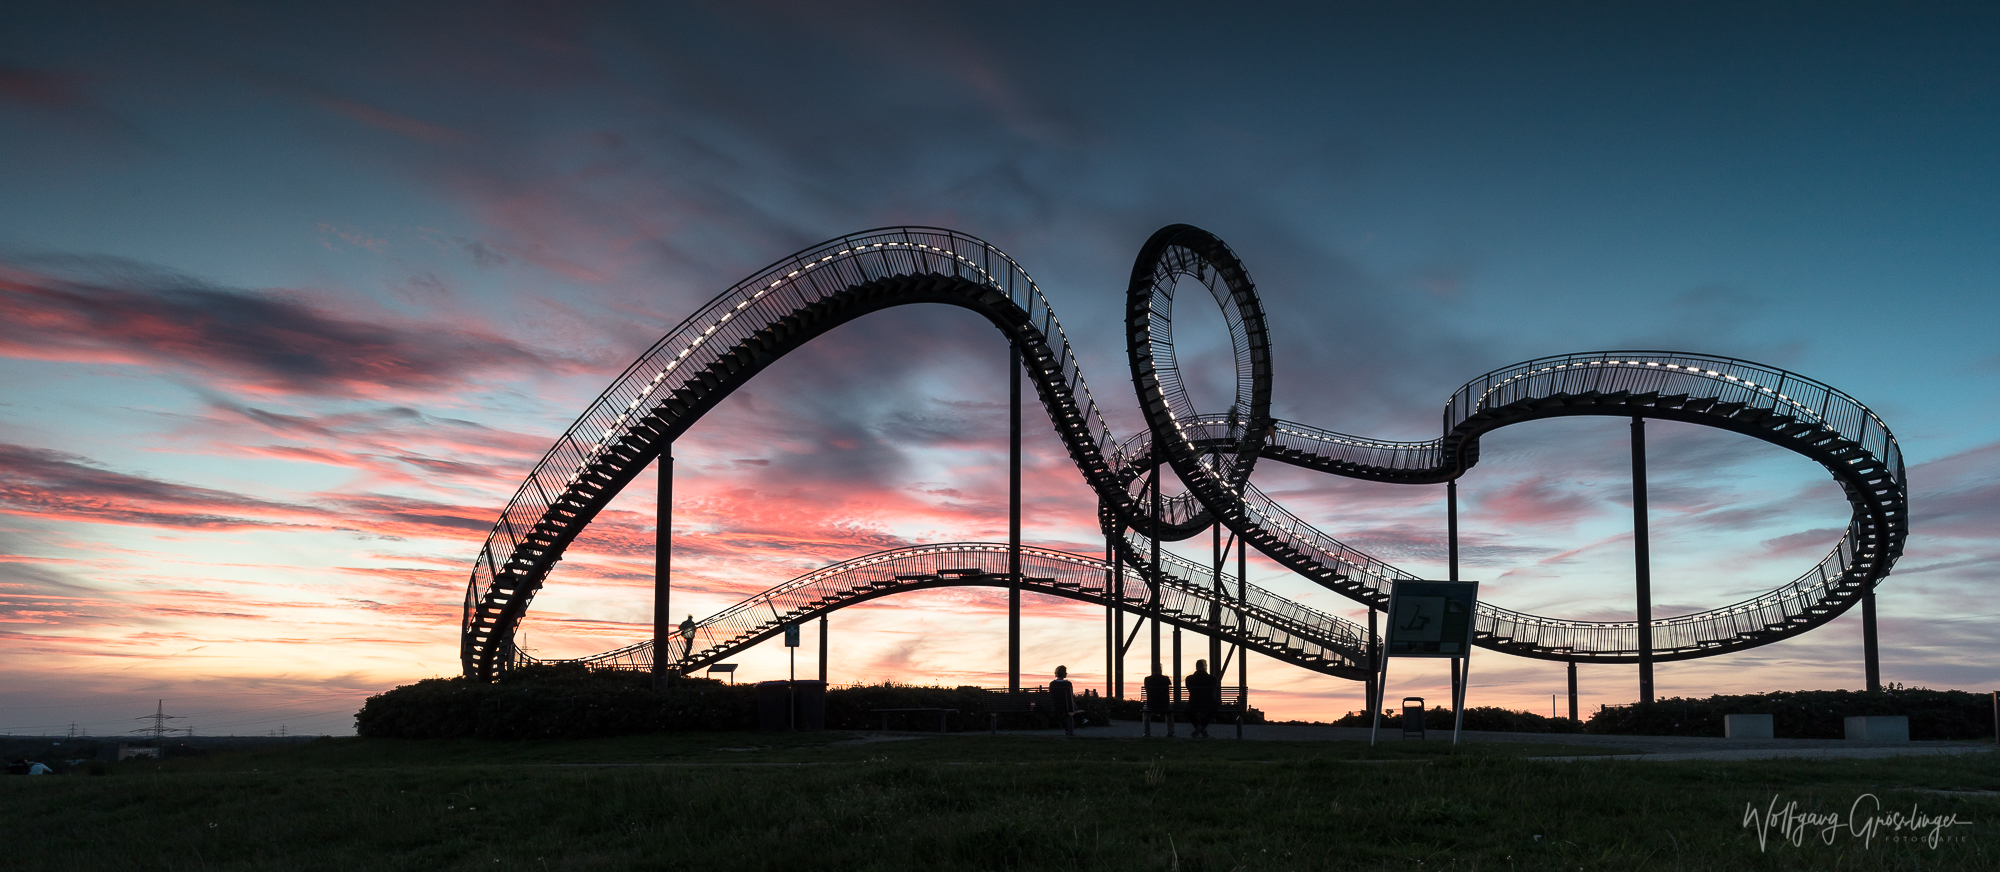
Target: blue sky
x,y
292,300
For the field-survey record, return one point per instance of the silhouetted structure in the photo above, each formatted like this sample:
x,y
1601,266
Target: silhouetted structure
x,y
803,296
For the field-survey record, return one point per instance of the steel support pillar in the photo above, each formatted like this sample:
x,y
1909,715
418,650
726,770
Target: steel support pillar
x,y
1642,560
663,618
1153,579
1373,689
1110,632
1014,516
1215,610
1153,597
822,649
1572,690
1174,688
1464,682
1118,620
1871,655
1242,628
1455,678
1451,525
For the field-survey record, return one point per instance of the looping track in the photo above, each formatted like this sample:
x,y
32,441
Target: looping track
x,y
801,297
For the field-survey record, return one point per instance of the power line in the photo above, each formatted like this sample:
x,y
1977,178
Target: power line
x,y
159,717
210,713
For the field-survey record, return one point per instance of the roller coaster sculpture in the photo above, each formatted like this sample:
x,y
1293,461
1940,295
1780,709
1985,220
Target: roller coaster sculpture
x,y
789,303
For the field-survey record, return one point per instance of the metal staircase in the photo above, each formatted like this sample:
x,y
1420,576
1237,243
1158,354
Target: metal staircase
x,y
789,303
1261,621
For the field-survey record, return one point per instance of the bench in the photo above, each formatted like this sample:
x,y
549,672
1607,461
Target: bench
x,y
942,714
1234,702
999,702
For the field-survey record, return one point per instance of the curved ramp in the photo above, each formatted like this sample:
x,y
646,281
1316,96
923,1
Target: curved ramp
x,y
1262,622
801,297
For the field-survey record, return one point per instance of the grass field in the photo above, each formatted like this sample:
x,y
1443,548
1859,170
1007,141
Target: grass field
x,y
785,802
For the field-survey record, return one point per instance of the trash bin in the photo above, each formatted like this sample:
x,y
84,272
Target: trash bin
x,y
791,705
809,701
1413,717
774,705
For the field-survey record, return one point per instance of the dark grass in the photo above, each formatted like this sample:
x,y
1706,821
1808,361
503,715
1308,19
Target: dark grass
x,y
793,802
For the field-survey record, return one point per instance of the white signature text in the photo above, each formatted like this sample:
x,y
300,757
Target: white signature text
x,y
1865,820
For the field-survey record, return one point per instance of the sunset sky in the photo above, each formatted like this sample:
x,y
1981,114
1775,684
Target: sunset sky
x,y
290,302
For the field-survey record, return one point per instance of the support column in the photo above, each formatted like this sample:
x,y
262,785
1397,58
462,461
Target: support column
x,y
1458,698
1572,690
1014,517
1871,655
1374,687
1153,578
1642,560
1455,683
1242,626
1110,632
822,649
663,618
1118,620
1451,524
1215,610
1153,599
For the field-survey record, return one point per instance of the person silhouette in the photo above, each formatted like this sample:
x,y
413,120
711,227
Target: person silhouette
x,y
1064,697
687,633
1204,697
1158,696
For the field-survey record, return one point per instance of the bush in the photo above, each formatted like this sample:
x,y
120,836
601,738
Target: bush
x,y
572,702
554,702
1808,714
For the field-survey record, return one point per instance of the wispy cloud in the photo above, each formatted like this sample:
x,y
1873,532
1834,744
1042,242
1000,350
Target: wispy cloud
x,y
255,341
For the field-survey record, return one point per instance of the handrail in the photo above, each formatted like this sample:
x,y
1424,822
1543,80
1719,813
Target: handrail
x,y
1266,622
795,298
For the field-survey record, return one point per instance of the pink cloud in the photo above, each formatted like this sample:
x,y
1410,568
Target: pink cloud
x,y
1812,543
1536,502
261,342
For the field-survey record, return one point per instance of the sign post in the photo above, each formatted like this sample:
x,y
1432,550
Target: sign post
x,y
791,690
1430,619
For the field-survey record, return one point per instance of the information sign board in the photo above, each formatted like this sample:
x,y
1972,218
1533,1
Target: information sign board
x,y
791,635
1430,618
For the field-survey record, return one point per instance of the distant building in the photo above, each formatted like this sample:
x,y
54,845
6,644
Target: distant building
x,y
126,751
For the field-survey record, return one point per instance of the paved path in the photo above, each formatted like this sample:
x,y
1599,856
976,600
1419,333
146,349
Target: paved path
x,y
1652,748
1860,751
